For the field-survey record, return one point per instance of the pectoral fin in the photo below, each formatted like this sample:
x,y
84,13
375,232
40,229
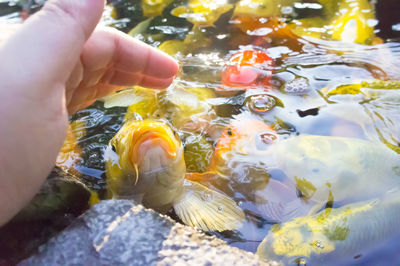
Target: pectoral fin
x,y
207,209
278,202
296,208
280,212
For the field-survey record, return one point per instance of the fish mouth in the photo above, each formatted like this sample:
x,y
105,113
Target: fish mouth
x,y
264,139
153,144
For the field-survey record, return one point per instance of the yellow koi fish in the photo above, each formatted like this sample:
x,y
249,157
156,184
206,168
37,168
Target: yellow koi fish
x,y
333,235
152,8
202,12
350,21
261,8
70,152
144,161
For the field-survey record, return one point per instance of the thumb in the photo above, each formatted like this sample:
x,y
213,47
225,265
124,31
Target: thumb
x,y
49,43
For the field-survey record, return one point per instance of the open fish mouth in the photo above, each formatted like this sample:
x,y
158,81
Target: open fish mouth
x,y
153,141
153,158
264,139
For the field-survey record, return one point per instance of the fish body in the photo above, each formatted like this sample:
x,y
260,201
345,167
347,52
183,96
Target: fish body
x,y
334,234
70,153
194,40
202,12
152,8
334,168
261,8
186,107
349,21
352,22
144,161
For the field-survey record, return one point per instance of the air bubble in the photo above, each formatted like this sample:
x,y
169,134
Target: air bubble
x,y
261,103
268,138
318,244
207,196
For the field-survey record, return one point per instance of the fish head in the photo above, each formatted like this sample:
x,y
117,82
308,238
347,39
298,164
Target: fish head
x,y
241,146
248,68
142,149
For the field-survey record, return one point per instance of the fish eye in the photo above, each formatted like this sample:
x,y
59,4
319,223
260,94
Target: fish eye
x,y
229,132
113,148
299,193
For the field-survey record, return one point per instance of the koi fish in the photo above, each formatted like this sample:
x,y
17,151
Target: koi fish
x,y
70,152
349,21
144,161
249,68
152,8
261,8
335,233
237,167
202,12
319,169
334,169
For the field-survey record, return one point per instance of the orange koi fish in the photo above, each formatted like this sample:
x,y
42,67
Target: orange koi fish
x,y
238,165
251,68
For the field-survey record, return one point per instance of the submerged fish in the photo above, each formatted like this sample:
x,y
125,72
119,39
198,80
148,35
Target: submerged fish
x,y
317,170
350,21
194,40
248,68
70,153
354,22
334,169
152,8
202,12
334,234
262,8
237,168
187,107
144,161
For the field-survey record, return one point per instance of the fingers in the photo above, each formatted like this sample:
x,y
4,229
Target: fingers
x,y
6,31
136,57
112,50
120,78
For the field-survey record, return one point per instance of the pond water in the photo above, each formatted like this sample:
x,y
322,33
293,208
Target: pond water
x,y
265,89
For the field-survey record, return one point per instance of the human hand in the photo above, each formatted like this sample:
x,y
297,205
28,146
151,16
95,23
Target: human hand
x,y
51,65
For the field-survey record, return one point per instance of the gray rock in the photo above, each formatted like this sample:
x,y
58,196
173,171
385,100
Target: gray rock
x,y
119,232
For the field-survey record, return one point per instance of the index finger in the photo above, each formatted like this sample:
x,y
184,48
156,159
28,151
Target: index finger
x,y
112,49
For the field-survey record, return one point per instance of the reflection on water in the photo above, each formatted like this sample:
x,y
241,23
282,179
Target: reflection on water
x,y
289,108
